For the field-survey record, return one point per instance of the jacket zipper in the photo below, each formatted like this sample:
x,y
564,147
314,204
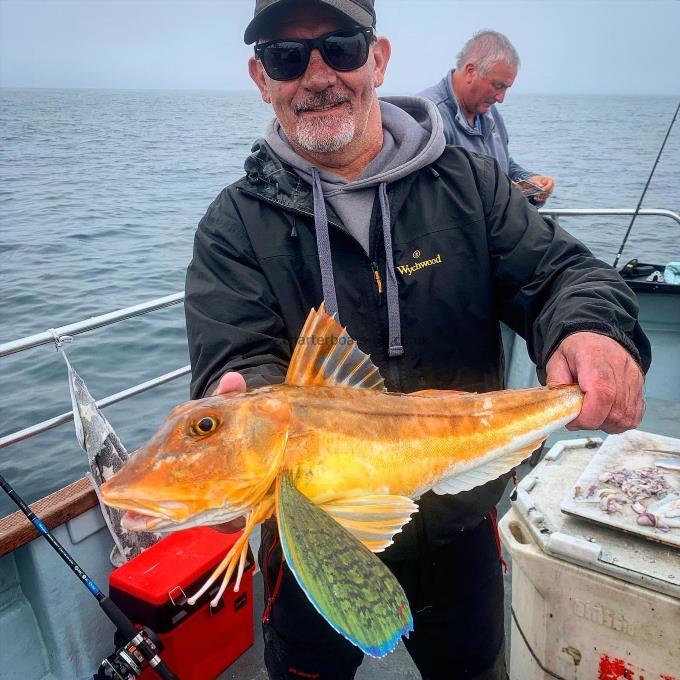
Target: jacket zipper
x,y
378,280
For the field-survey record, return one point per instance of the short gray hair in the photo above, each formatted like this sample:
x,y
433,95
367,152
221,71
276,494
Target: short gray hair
x,y
486,48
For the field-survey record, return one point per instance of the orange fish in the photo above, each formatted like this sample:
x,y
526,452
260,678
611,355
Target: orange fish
x,y
339,461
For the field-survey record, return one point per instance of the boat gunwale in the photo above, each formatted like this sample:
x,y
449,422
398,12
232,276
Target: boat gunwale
x,y
59,507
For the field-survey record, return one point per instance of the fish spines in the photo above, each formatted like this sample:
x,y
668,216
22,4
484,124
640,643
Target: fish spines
x,y
326,355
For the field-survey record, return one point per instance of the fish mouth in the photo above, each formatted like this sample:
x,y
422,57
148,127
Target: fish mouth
x,y
165,516
138,521
172,511
134,520
140,518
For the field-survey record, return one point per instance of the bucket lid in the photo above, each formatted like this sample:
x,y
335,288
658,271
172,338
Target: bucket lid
x,y
175,562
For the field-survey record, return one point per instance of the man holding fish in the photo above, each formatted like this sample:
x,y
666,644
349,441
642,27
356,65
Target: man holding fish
x,y
419,249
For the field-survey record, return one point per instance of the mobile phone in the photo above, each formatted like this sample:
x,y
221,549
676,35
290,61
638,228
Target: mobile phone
x,y
529,188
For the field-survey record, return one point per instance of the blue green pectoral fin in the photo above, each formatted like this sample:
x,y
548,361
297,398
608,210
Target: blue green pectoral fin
x,y
348,585
373,520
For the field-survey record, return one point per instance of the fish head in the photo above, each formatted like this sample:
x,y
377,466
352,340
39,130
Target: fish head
x,y
211,461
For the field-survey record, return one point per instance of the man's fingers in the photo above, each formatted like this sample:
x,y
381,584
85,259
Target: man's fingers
x,y
628,409
640,411
598,381
557,371
230,382
595,411
545,182
611,381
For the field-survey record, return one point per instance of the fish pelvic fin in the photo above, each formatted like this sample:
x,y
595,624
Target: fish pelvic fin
x,y
326,355
348,585
373,520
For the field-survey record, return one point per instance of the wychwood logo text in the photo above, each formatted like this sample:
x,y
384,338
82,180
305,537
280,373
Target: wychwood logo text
x,y
408,269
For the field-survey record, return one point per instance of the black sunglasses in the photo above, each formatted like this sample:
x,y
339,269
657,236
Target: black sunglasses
x,y
287,59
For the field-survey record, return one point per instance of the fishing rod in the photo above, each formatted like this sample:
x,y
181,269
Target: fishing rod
x,y
140,647
644,191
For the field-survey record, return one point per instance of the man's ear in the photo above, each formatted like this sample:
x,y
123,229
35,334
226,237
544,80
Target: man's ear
x,y
381,56
469,71
257,74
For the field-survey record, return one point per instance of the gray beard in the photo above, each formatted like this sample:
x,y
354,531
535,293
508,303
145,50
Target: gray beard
x,y
316,137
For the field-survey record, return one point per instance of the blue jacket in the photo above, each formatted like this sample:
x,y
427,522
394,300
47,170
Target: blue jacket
x,y
493,141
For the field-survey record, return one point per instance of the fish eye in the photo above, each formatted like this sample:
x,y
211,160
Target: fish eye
x,y
205,425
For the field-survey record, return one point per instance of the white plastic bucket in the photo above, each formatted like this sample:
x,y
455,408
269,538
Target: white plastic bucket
x,y
574,623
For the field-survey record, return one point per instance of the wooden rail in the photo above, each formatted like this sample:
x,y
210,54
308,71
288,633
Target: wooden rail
x,y
54,510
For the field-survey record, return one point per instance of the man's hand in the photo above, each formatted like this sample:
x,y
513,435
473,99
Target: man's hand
x,y
608,375
230,382
546,183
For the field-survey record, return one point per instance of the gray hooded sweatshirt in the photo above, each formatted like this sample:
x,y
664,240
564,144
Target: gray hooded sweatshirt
x,y
413,137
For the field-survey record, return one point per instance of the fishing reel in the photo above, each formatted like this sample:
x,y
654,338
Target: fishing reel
x,y
127,661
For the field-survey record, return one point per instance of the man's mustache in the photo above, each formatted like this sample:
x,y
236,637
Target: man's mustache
x,y
324,99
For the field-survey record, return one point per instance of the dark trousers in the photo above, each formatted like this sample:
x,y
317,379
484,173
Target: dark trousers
x,y
455,592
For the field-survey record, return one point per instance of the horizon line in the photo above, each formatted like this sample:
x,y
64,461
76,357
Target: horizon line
x,y
254,92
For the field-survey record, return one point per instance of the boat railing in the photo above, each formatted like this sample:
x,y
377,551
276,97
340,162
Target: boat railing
x,y
591,212
53,335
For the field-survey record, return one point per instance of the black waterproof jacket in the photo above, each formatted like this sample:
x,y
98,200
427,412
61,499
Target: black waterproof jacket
x,y
469,251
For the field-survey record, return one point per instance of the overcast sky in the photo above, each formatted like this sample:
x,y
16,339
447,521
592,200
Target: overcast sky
x,y
610,47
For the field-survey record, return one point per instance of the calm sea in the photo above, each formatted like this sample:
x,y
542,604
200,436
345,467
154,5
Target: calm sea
x,y
101,191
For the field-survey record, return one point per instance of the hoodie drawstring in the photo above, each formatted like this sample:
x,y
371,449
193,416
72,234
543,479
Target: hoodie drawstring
x,y
323,245
394,348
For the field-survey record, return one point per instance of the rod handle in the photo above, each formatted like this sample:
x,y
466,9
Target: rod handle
x,y
123,625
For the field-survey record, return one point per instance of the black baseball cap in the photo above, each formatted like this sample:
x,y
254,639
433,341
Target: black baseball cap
x,y
361,12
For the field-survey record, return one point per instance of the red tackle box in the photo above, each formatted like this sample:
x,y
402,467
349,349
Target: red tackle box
x,y
152,589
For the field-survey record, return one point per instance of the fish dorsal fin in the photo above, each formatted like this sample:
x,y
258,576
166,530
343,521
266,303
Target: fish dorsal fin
x,y
347,584
325,355
373,520
487,472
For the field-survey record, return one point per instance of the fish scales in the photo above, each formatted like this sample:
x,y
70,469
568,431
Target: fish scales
x,y
398,444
